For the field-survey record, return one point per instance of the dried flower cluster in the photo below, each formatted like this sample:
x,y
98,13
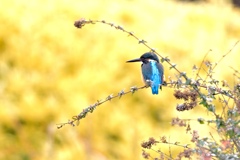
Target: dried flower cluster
x,y
148,144
145,155
195,136
186,154
179,122
186,95
189,97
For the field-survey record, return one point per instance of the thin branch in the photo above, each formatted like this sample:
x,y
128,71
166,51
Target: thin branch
x,y
225,55
197,75
165,155
75,119
80,23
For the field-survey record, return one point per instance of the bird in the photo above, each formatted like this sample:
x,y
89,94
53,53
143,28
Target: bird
x,y
152,70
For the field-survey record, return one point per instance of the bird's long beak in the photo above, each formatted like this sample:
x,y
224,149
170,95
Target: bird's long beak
x,y
134,60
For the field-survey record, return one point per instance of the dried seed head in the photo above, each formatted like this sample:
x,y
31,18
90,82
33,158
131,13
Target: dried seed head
x,y
195,136
80,23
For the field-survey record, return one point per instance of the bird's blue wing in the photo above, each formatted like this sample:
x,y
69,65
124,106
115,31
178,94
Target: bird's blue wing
x,y
161,72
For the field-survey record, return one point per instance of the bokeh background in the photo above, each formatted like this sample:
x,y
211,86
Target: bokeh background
x,y
50,71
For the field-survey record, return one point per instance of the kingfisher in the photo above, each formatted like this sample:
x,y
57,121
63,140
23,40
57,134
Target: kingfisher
x,y
152,70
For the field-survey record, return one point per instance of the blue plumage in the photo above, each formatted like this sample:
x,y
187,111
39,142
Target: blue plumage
x,y
155,78
152,71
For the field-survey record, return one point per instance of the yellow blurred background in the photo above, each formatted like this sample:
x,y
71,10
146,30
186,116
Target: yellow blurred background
x,y
50,71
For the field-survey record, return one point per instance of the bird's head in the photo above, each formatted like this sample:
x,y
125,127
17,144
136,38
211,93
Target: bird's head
x,y
146,57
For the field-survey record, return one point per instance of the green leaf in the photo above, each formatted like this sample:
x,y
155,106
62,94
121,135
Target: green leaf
x,y
201,120
220,123
211,108
188,82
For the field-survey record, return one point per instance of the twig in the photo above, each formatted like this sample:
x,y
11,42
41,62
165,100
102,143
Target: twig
x,y
197,75
80,23
225,55
75,119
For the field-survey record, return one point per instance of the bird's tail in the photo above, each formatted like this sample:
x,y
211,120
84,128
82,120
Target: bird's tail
x,y
155,88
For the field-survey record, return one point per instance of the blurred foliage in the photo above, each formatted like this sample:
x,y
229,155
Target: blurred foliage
x,y
50,71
